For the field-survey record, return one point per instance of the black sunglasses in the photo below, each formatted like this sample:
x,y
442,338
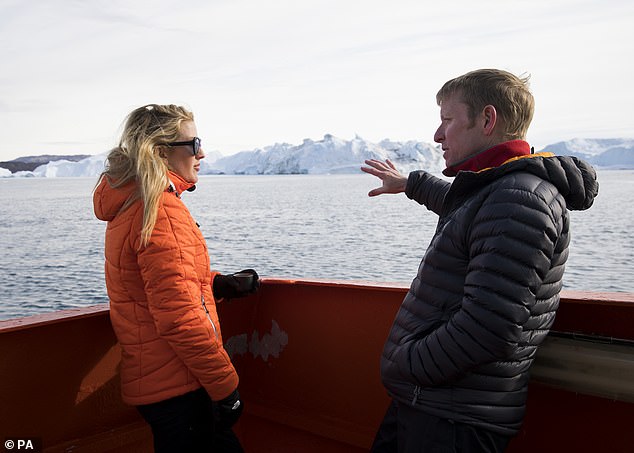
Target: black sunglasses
x,y
194,143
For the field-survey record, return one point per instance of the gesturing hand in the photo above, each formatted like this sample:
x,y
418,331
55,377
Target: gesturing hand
x,y
393,181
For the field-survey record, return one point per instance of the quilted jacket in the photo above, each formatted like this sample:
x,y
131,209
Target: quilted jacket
x,y
487,289
161,303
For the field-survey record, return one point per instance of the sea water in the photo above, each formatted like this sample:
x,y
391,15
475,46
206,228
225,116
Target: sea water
x,y
295,226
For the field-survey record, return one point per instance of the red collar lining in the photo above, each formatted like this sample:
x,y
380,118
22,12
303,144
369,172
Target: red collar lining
x,y
492,157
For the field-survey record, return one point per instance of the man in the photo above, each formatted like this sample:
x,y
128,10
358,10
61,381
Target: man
x,y
456,361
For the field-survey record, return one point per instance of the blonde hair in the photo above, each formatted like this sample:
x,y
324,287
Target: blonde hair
x,y
138,157
509,94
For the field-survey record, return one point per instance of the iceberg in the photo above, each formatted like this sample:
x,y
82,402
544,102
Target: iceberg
x,y
605,153
333,155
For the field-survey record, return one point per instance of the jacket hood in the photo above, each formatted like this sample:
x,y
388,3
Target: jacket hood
x,y
574,178
109,201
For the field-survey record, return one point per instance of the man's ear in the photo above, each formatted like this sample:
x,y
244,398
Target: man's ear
x,y
490,119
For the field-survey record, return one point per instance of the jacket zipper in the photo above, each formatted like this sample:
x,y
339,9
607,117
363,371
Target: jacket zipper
x,y
417,392
202,297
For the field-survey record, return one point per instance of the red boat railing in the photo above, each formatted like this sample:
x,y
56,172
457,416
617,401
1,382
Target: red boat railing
x,y
308,357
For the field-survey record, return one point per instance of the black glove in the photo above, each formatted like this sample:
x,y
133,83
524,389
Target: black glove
x,y
229,410
240,284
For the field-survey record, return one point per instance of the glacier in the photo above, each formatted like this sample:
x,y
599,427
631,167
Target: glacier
x,y
333,155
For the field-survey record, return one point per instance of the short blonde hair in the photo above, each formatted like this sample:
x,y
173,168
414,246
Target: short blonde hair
x,y
138,156
509,94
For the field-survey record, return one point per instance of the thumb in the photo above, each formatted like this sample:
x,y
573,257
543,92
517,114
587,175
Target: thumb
x,y
375,192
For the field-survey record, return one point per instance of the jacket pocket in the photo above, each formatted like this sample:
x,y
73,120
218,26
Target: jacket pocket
x,y
213,325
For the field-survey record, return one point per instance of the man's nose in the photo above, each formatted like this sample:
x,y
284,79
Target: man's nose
x,y
439,136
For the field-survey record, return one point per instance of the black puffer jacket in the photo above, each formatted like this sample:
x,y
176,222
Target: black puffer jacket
x,y
487,289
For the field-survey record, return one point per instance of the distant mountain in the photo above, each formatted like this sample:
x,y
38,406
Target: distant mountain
x,y
30,163
333,155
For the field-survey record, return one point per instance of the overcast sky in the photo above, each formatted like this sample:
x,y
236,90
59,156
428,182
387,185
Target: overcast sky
x,y
260,72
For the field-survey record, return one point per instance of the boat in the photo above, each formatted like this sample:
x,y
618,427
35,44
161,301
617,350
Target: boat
x,y
307,352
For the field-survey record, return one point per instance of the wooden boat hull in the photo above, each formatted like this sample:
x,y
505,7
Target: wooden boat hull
x,y
307,353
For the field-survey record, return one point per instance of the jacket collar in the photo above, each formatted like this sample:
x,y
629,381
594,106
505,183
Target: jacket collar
x,y
178,184
491,157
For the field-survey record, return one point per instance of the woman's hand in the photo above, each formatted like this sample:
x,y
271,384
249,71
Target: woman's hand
x,y
229,410
240,284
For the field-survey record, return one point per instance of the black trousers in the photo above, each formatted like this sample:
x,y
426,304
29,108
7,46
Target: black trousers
x,y
185,424
407,430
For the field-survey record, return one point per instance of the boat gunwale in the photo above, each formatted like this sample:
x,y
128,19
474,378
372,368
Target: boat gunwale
x,y
575,297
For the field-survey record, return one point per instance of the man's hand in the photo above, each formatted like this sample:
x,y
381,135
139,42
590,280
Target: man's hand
x,y
393,181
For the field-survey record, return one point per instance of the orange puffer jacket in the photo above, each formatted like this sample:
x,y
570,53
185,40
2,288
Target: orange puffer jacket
x,y
161,303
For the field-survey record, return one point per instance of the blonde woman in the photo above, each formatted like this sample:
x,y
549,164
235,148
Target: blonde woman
x,y
161,288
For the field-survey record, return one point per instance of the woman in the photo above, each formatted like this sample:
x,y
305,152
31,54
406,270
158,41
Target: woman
x,y
162,292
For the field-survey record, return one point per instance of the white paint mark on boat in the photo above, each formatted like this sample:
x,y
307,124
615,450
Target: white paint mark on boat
x,y
270,345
